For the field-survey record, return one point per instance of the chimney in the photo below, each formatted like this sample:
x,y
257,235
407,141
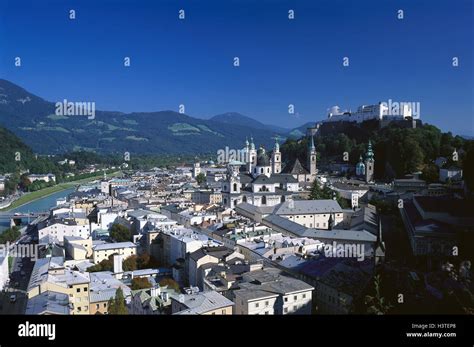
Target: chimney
x,y
118,263
154,291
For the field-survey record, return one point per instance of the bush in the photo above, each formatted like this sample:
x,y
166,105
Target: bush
x,y
140,283
170,283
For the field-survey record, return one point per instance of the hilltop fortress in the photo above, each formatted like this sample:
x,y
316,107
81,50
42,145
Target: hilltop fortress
x,y
390,110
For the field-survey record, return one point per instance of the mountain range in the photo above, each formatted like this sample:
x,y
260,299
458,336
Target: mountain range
x,y
35,121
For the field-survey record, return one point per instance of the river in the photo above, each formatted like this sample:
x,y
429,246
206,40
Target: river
x,y
40,205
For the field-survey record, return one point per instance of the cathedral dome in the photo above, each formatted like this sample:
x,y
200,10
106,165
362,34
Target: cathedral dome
x,y
262,157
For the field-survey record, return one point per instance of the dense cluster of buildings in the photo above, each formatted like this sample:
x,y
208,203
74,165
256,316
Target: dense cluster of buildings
x,y
245,240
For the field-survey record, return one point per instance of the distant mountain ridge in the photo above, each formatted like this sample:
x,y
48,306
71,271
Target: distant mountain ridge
x,y
239,119
33,119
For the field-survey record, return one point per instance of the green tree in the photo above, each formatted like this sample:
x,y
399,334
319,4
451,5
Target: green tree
x,y
130,264
120,233
10,235
104,265
117,304
317,193
200,178
377,304
430,173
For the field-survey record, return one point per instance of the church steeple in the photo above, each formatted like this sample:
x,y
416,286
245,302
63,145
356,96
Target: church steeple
x,y
311,157
369,164
277,145
252,145
252,156
370,152
276,158
311,144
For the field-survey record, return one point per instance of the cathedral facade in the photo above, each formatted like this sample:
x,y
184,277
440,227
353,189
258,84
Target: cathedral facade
x,y
260,180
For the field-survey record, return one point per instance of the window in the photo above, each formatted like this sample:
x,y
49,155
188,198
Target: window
x,y
295,298
295,308
286,299
78,290
266,303
304,296
285,310
85,289
257,304
97,306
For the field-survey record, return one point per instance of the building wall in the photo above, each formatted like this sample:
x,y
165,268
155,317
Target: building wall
x,y
331,301
3,272
264,306
291,303
60,230
195,275
315,220
221,311
80,298
100,255
101,307
78,254
297,303
78,294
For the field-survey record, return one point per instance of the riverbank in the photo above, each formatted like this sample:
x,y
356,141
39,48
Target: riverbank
x,y
42,193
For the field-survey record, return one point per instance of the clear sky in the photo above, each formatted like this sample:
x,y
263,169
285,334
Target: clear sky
x,y
282,61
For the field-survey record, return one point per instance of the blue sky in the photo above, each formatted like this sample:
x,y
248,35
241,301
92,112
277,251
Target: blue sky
x,y
299,62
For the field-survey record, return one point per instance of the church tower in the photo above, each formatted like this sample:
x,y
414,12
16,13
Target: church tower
x,y
196,169
311,160
252,157
369,164
231,186
276,158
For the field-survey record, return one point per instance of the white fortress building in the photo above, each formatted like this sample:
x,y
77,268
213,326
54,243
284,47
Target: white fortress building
x,y
382,111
